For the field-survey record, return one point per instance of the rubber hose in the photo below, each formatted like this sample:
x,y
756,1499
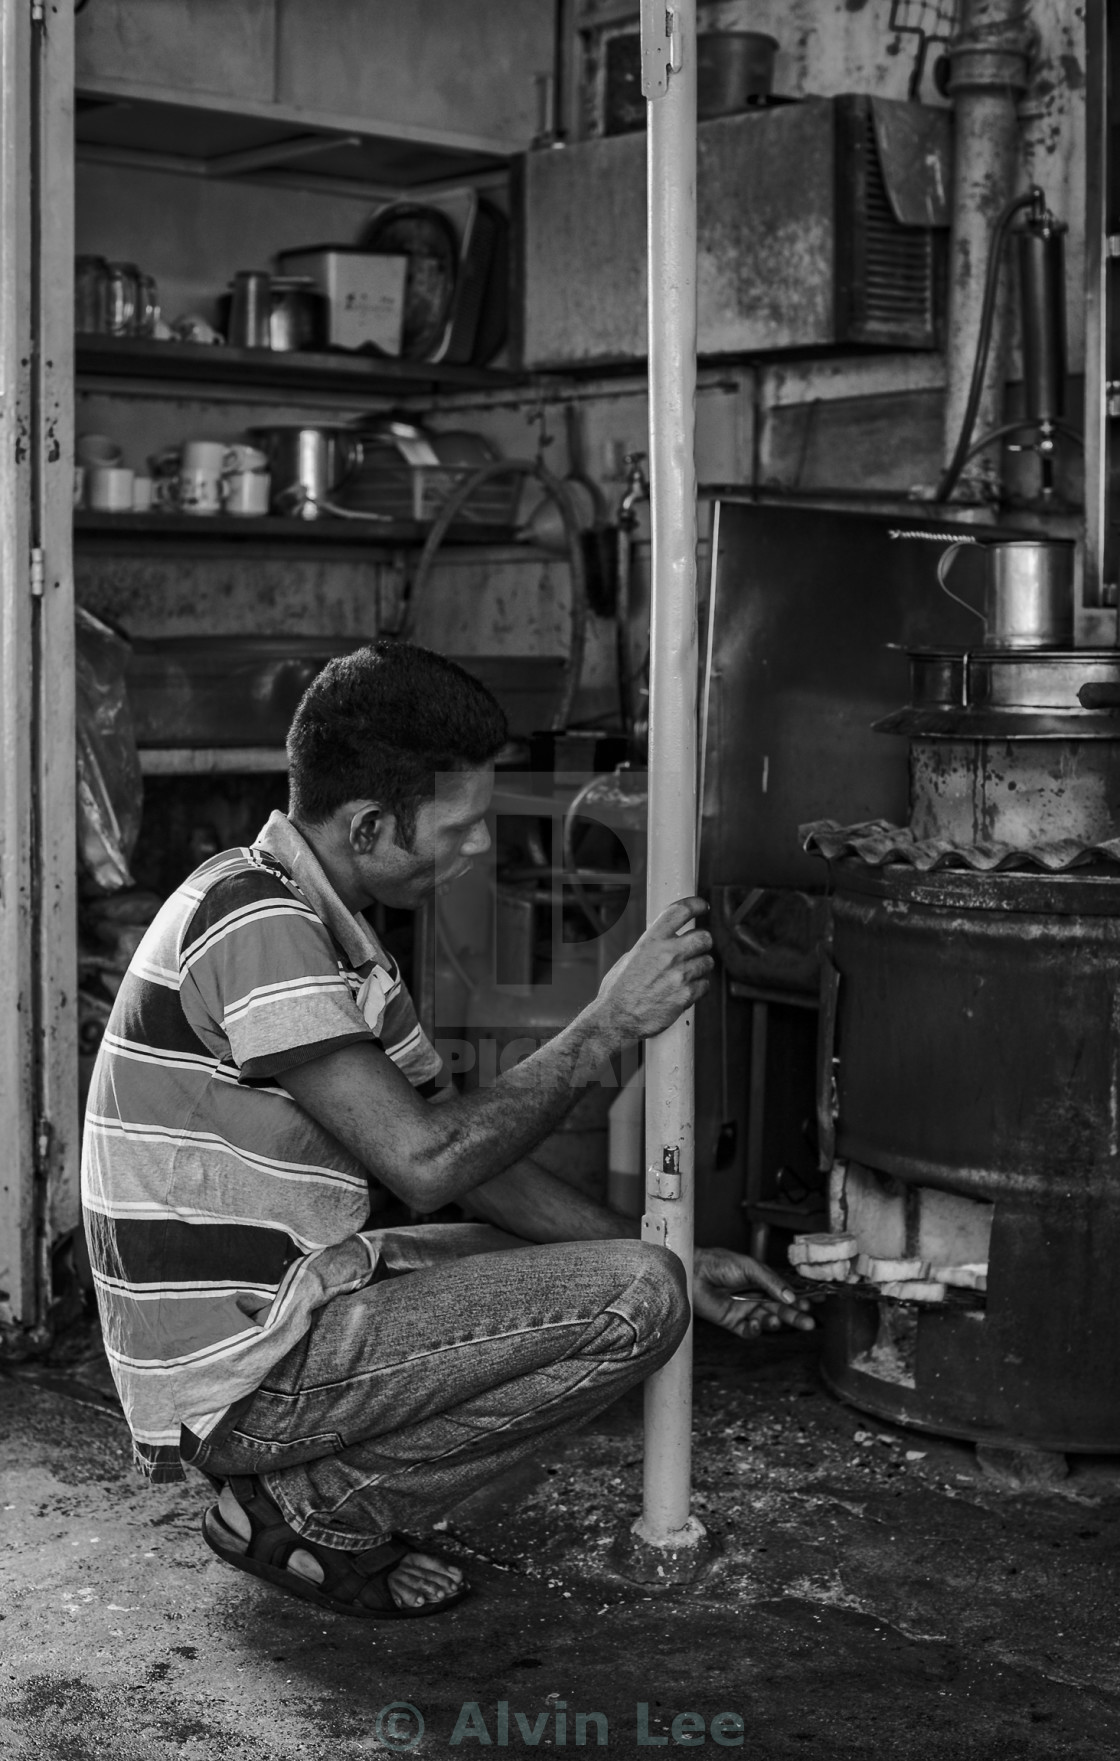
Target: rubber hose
x,y
553,487
983,342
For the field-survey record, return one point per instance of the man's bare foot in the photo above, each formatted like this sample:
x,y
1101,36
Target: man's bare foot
x,y
416,1580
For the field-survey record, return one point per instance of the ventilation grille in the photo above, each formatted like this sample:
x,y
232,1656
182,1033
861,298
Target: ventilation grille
x,y
892,297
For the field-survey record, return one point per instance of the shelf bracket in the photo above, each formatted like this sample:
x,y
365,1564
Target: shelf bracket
x,y
278,153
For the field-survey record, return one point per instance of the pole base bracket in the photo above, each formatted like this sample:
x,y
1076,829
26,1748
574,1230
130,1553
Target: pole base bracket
x,y
678,1558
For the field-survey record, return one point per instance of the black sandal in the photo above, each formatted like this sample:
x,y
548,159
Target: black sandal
x,y
353,1583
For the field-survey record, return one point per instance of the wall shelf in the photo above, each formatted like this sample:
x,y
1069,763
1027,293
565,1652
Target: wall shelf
x,y
199,761
94,531
205,135
198,369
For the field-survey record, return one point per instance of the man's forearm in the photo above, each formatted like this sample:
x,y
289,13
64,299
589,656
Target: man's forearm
x,y
534,1204
490,1129
431,1155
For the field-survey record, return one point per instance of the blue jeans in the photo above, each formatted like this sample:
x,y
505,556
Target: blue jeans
x,y
408,1395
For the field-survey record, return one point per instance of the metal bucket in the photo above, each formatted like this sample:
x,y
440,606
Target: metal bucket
x,y
1028,592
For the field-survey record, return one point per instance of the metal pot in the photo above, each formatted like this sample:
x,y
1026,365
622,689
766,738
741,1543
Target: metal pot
x,y
309,465
284,313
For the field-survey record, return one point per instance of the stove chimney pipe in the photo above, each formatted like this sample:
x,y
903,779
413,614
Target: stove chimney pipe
x,y
988,75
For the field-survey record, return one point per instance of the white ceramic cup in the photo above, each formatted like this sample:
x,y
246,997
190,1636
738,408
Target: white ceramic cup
x,y
109,488
201,488
246,482
97,449
141,495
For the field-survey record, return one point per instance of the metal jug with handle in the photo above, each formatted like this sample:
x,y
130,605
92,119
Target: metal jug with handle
x,y
1028,591
309,464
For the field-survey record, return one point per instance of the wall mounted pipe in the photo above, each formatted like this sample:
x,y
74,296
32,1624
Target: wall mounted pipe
x,y
988,75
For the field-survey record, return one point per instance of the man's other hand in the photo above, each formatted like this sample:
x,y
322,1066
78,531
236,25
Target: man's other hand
x,y
664,973
746,1298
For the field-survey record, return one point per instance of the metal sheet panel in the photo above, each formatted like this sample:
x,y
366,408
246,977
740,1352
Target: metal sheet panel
x,y
815,612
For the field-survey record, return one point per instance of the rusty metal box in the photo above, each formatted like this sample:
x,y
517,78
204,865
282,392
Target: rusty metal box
x,y
820,224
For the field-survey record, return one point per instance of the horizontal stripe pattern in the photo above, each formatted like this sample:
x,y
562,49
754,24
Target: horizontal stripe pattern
x,y
219,1214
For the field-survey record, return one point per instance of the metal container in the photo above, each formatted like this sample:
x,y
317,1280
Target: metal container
x,y
298,317
1028,592
249,311
285,313
977,1052
1019,792
1018,687
1042,282
1011,747
309,464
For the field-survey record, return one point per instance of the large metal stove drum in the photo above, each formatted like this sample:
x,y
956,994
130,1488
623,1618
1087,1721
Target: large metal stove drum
x,y
977,1085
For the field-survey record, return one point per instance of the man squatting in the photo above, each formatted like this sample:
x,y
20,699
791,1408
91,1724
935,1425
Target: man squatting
x,y
262,1066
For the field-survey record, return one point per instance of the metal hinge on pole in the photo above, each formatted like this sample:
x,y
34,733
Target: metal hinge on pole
x,y
665,1182
38,573
661,47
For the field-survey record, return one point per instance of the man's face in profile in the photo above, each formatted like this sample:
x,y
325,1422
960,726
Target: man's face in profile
x,y
450,832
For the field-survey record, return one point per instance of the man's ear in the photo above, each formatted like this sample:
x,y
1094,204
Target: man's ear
x,y
367,822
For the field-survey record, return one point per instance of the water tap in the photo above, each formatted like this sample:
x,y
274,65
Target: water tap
x,y
637,489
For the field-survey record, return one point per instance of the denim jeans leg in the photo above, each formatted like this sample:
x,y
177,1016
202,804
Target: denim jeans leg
x,y
410,1394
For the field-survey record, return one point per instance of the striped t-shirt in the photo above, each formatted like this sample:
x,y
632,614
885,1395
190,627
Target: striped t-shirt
x,y
220,1216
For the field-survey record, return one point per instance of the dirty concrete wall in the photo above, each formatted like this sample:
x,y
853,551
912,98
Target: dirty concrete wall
x,y
827,47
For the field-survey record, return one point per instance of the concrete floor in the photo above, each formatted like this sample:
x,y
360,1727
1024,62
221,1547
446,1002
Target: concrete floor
x,y
876,1596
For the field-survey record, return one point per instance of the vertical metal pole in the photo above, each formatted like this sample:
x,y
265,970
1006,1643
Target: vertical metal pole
x,y
55,782
669,80
1100,281
19,1268
38,930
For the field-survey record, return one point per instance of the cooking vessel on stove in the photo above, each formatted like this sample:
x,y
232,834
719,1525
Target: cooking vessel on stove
x,y
309,464
1028,592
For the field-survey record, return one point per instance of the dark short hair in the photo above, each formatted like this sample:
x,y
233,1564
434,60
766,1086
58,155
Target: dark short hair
x,y
381,723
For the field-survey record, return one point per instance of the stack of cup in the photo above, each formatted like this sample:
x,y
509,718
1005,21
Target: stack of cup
x,y
101,481
206,477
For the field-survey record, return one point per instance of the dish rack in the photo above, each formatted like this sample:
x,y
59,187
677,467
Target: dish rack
x,y
391,483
